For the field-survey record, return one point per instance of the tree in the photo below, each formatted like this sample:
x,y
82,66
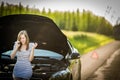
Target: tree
x,y
76,20
27,9
43,11
74,24
116,31
2,9
20,8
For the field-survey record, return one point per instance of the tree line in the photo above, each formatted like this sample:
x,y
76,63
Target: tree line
x,y
67,20
116,31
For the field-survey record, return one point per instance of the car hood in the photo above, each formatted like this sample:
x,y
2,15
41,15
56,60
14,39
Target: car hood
x,y
40,29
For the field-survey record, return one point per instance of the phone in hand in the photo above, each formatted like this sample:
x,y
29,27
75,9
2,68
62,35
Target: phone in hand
x,y
18,42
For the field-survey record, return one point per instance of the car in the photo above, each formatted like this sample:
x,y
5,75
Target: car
x,y
53,56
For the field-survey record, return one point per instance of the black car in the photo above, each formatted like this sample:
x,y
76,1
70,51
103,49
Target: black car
x,y
53,55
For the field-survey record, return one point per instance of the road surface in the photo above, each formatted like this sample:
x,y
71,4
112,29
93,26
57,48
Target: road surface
x,y
110,70
102,63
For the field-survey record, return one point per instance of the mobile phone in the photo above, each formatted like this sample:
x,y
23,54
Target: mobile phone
x,y
19,42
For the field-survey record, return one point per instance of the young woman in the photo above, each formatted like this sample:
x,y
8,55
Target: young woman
x,y
25,54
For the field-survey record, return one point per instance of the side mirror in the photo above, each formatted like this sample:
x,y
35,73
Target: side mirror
x,y
74,56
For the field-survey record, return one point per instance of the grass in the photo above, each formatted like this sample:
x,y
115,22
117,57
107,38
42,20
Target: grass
x,y
85,41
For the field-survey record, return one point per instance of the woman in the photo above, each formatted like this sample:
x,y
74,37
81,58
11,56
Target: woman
x,y
25,54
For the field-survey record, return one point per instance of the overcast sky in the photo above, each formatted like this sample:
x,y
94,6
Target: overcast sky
x,y
108,8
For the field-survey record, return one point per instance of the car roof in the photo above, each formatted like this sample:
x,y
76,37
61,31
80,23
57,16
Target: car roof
x,y
40,29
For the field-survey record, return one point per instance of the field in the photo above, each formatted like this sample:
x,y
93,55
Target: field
x,y
85,41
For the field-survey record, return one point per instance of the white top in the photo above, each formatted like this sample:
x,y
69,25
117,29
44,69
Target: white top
x,y
23,68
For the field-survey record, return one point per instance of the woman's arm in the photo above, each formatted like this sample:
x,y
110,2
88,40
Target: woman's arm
x,y
16,46
32,52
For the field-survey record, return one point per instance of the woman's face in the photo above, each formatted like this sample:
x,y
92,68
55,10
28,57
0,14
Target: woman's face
x,y
23,39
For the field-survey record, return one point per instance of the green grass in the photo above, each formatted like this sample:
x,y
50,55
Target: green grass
x,y
85,41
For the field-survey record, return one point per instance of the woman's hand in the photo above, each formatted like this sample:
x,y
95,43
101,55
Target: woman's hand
x,y
35,45
32,51
17,44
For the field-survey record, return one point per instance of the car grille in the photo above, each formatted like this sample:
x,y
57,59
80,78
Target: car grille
x,y
38,68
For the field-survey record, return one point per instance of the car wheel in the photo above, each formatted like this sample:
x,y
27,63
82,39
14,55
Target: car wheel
x,y
71,77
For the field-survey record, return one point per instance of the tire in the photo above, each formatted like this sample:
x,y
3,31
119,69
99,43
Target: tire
x,y
71,77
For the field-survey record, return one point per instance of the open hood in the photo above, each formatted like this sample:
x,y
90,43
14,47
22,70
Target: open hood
x,y
40,29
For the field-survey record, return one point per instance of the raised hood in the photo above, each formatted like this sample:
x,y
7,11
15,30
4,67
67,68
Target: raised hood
x,y
40,29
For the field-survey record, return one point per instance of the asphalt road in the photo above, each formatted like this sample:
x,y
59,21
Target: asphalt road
x,y
110,70
102,63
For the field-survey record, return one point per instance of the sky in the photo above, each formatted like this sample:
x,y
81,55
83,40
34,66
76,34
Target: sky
x,y
106,8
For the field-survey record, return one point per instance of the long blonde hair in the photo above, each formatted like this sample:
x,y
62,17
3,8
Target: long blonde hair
x,y
23,32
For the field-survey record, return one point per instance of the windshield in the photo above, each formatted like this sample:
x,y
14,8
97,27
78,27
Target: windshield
x,y
39,53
